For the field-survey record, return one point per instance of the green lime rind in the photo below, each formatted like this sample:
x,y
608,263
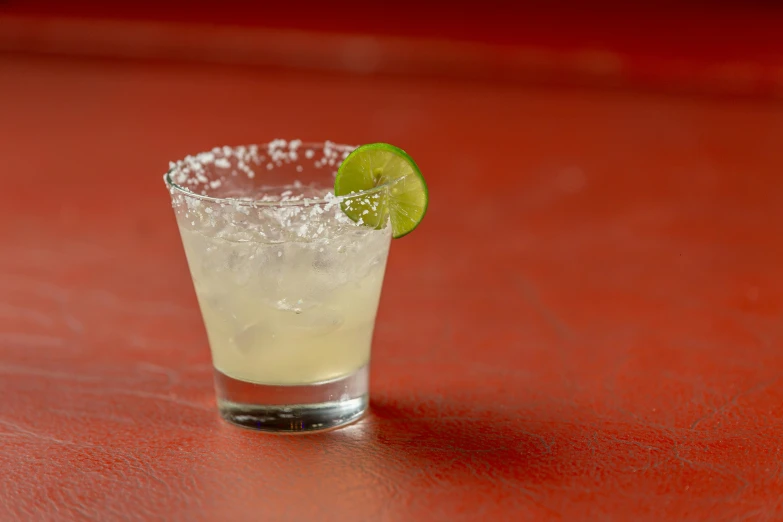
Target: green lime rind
x,y
402,196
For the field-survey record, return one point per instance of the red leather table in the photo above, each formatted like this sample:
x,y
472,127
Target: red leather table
x,y
587,326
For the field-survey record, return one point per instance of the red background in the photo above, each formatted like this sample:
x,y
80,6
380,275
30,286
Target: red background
x,y
585,327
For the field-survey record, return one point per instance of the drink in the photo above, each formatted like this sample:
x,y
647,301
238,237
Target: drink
x,y
288,276
289,313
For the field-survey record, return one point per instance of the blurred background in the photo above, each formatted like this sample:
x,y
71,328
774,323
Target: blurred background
x,y
726,46
170,79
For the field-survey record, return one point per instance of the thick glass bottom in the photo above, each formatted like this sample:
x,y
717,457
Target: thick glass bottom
x,y
288,409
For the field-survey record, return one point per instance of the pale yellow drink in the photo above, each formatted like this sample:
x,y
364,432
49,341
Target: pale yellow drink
x,y
289,313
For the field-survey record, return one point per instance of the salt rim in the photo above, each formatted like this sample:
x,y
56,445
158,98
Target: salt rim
x,y
279,151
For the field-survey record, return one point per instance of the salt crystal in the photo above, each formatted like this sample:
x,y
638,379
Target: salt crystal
x,y
206,157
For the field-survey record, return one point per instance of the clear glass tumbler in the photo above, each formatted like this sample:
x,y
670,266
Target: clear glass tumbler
x,y
287,283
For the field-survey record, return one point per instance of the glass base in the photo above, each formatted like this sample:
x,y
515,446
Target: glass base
x,y
287,409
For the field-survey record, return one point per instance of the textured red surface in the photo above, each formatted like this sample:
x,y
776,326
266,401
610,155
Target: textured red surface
x,y
586,326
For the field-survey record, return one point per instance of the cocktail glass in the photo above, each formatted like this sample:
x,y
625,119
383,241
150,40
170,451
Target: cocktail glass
x,y
287,283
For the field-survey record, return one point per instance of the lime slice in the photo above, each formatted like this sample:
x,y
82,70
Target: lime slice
x,y
382,166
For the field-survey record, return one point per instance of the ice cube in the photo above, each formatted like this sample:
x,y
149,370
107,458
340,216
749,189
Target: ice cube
x,y
319,321
322,261
253,337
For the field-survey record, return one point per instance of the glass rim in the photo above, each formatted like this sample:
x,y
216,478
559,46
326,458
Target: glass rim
x,y
305,202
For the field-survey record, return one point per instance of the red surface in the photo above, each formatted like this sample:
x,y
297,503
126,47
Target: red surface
x,y
731,30
725,47
587,326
